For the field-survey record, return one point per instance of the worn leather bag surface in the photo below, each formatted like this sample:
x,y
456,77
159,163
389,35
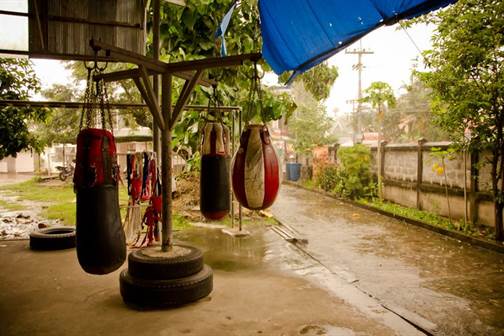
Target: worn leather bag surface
x,y
214,174
100,239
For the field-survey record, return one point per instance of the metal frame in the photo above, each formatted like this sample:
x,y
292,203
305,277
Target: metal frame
x,y
166,117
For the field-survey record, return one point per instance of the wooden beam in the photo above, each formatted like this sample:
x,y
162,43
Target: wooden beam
x,y
212,62
39,24
130,74
184,96
207,63
166,165
128,56
153,106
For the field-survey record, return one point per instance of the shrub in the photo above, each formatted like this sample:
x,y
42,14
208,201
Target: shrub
x,y
327,176
352,178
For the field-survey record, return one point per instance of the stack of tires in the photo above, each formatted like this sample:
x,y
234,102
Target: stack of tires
x,y
158,281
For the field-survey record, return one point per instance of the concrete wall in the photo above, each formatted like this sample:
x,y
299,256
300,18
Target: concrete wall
x,y
402,180
22,163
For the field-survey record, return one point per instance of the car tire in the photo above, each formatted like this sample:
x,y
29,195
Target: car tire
x,y
151,294
56,238
142,266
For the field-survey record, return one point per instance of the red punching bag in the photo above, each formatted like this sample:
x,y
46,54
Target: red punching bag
x,y
100,239
255,169
214,175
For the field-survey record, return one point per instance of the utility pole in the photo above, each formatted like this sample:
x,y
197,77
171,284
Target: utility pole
x,y
358,67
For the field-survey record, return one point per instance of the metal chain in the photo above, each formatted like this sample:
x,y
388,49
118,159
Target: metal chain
x,y
96,94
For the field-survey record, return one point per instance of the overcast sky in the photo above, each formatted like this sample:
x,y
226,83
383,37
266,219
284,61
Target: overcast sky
x,y
391,62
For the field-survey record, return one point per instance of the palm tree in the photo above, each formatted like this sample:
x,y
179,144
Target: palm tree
x,y
380,96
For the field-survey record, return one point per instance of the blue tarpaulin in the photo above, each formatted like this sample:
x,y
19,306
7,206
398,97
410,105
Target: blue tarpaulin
x,y
299,34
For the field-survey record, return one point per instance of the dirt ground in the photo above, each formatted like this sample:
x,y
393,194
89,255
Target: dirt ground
x,y
47,293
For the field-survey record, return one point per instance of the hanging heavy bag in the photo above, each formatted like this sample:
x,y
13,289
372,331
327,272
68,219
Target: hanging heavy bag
x,y
214,175
100,239
255,169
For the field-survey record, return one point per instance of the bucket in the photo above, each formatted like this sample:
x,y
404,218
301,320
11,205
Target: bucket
x,y
293,171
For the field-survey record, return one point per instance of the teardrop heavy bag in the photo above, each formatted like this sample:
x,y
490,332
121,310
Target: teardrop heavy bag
x,y
214,176
255,169
101,244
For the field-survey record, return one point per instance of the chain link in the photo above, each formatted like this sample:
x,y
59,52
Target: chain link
x,y
96,95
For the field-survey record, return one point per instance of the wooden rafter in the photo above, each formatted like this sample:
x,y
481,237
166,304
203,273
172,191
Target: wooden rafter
x,y
161,67
153,105
130,74
128,56
184,96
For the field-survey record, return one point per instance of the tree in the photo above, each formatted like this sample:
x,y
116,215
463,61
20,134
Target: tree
x,y
310,124
467,82
18,81
61,125
412,118
380,96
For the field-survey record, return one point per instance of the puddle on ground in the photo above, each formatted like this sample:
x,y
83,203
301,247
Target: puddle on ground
x,y
453,284
227,253
325,330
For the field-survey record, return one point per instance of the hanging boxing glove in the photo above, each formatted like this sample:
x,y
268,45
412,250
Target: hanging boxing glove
x,y
255,170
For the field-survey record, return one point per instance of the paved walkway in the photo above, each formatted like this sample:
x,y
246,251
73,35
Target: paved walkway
x,y
419,274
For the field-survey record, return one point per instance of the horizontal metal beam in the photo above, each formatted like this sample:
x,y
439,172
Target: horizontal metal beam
x,y
119,106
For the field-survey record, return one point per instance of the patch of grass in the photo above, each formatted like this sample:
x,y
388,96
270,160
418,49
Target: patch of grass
x,y
11,206
431,218
310,184
65,212
180,222
41,192
421,215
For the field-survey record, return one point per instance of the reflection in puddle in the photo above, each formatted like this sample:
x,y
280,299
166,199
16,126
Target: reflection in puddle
x,y
227,253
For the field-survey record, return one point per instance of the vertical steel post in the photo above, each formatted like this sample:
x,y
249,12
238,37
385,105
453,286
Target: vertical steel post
x,y
155,84
239,137
166,167
233,139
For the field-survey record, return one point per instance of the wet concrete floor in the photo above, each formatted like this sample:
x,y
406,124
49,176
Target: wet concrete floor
x,y
449,287
258,290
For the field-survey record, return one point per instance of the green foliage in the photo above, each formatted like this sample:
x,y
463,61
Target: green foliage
x,y
354,172
352,177
420,215
328,178
318,80
379,95
310,126
467,82
412,118
61,125
18,82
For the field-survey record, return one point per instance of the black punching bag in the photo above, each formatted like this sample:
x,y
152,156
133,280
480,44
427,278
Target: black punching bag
x,y
214,176
100,239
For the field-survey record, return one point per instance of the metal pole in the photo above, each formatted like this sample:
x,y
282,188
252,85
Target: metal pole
x,y
166,167
232,150
155,84
240,131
